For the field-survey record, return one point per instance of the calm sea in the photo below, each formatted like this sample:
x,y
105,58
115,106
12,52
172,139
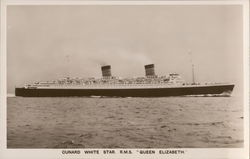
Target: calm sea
x,y
172,122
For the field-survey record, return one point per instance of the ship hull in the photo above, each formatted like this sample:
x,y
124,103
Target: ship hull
x,y
220,90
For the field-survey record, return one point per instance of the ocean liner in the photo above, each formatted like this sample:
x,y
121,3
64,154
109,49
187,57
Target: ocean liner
x,y
109,86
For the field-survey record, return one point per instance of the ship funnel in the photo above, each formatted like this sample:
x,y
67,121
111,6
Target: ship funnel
x,y
106,71
150,70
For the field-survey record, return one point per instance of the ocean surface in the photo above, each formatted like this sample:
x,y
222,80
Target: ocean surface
x,y
171,122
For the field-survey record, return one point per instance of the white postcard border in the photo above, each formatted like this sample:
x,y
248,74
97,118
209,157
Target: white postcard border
x,y
239,153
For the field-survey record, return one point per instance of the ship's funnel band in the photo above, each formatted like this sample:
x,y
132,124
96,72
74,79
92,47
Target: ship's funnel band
x,y
106,71
149,70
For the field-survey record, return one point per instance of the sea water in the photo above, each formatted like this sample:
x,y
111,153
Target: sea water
x,y
170,122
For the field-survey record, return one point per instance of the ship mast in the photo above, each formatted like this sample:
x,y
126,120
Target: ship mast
x,y
67,61
191,59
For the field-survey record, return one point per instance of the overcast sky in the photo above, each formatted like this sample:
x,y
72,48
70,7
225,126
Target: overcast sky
x,y
51,42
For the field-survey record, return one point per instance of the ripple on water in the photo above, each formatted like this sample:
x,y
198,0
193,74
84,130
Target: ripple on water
x,y
124,122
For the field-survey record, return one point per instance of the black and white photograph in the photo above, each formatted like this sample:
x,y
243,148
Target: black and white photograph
x,y
125,76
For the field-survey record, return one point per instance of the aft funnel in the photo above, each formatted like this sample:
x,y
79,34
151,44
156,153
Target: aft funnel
x,y
106,71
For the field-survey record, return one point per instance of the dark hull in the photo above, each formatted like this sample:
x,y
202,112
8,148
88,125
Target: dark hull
x,y
146,92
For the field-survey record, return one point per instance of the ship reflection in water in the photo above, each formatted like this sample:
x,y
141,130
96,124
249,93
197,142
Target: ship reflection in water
x,y
109,86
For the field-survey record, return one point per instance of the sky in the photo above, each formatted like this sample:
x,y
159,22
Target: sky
x,y
52,42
